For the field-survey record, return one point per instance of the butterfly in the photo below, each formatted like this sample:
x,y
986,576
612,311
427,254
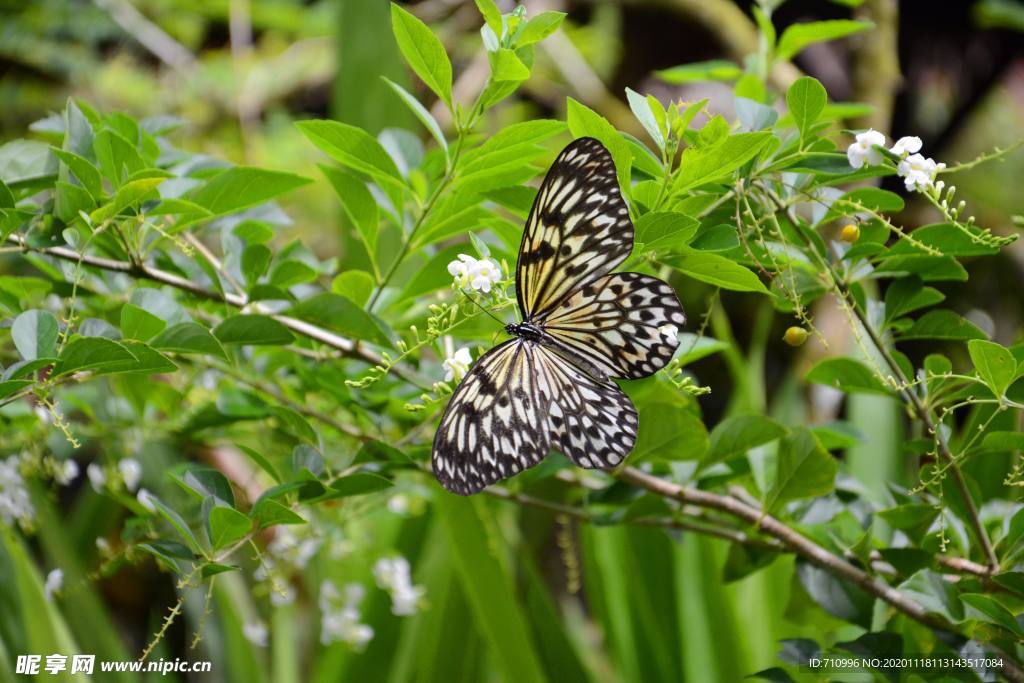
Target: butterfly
x,y
549,387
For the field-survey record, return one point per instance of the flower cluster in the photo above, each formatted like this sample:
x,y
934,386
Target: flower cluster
x,y
129,469
15,504
918,172
392,574
457,365
475,274
339,616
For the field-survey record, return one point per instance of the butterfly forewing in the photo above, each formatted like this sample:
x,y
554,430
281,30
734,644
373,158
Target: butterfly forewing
x,y
578,228
495,424
616,324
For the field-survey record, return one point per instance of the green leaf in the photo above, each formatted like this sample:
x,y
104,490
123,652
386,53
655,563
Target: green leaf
x,y
226,526
585,122
806,99
645,115
84,170
539,27
716,270
424,52
291,272
701,165
354,285
355,148
665,230
262,461
206,482
257,330
6,196
359,205
804,469
35,334
987,608
117,157
713,70
340,315
507,67
736,435
128,195
798,36
995,365
420,112
12,386
488,587
913,518
848,375
87,353
176,521
675,434
359,483
189,338
254,263
138,323
269,512
491,15
214,568
23,162
242,187
71,200
907,295
942,324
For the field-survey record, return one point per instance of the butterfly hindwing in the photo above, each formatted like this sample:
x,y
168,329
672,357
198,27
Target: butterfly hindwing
x,y
494,425
578,228
592,422
615,324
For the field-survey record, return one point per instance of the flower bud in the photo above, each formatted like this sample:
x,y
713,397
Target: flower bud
x,y
795,336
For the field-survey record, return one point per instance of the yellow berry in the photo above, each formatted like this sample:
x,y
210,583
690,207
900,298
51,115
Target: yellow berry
x,y
795,336
850,233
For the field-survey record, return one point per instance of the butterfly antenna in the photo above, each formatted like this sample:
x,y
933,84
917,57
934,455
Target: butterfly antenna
x,y
482,308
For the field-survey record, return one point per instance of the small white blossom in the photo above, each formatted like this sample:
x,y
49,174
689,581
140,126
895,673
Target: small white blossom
x,y
908,144
484,274
670,332
292,549
457,365
145,499
393,575
103,545
399,504
131,472
340,623
54,582
66,472
918,172
282,597
256,633
15,503
97,477
863,150
461,269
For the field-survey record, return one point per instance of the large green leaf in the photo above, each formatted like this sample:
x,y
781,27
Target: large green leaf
x,y
804,469
35,334
701,165
942,324
847,374
585,122
806,99
90,353
189,338
716,270
736,435
798,36
353,147
995,365
253,329
424,52
241,187
340,315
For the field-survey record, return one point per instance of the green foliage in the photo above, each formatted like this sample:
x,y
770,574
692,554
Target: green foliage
x,y
159,312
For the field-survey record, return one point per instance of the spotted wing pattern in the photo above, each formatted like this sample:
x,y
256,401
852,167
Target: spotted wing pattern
x,y
591,421
578,228
616,325
519,401
494,425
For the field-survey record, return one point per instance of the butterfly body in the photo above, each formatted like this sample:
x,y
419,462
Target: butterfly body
x,y
548,387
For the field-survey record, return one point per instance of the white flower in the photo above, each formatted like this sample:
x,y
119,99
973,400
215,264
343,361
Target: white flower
x,y
399,504
343,626
670,332
97,477
66,472
15,503
328,594
145,499
54,582
405,599
456,366
908,144
282,597
103,545
863,150
391,571
918,172
484,274
131,472
256,633
292,549
354,594
461,270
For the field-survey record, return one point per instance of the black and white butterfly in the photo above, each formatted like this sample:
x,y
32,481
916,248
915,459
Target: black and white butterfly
x,y
548,387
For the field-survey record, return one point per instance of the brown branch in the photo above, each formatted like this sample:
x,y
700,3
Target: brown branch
x,y
802,546
143,271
